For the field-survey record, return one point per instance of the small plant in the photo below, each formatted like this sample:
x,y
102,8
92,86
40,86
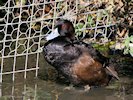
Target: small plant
x,y
129,45
78,28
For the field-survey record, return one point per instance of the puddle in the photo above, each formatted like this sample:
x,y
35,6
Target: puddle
x,y
46,88
37,89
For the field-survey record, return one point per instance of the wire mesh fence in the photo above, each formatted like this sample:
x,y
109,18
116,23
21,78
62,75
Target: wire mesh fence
x,y
24,23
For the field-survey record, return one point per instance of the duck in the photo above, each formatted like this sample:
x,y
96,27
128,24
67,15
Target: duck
x,y
79,62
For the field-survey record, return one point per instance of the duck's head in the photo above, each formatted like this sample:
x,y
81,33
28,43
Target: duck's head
x,y
62,28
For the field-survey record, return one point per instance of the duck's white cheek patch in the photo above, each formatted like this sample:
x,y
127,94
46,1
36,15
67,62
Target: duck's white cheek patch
x,y
52,35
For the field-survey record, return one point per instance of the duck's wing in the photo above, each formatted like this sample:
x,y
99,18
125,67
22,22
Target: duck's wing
x,y
95,54
104,60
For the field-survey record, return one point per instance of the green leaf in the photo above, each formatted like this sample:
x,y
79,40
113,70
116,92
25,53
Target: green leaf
x,y
80,25
78,33
131,51
127,41
126,51
89,18
131,38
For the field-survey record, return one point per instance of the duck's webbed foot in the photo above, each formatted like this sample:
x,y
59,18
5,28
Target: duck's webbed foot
x,y
87,88
70,87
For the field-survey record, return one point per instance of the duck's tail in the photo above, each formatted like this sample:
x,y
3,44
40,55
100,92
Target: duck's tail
x,y
111,71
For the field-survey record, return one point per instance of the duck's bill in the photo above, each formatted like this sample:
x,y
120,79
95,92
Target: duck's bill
x,y
52,35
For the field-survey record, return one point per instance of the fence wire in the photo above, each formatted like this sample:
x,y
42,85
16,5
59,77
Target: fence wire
x,y
24,23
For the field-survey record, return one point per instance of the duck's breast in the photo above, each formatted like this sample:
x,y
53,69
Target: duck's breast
x,y
59,53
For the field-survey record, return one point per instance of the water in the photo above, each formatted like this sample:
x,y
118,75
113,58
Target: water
x,y
46,88
37,89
